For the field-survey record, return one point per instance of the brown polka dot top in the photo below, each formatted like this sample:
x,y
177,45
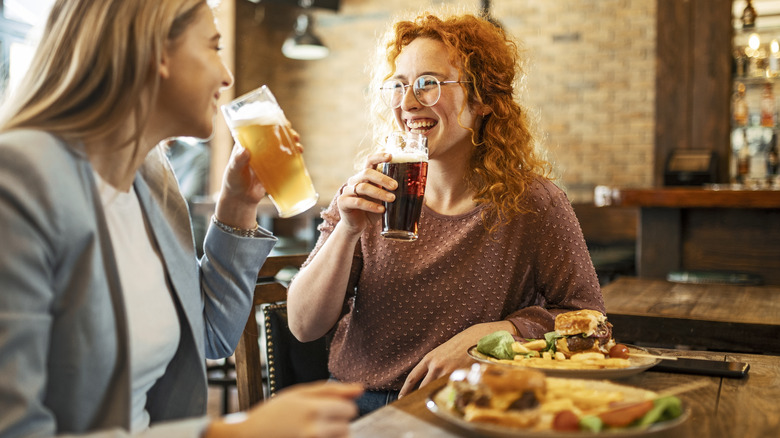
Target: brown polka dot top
x,y
406,298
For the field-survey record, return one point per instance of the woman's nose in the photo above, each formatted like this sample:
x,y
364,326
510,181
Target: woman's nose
x,y
409,100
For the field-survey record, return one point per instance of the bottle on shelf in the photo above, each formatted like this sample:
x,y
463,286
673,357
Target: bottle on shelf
x,y
768,107
740,62
772,159
741,112
749,16
743,160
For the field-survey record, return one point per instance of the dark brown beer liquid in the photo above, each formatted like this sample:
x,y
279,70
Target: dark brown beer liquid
x,y
402,216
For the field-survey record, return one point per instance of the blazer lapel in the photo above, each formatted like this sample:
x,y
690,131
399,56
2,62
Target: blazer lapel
x,y
164,206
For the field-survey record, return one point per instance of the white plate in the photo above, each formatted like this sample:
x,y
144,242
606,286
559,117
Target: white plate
x,y
492,430
637,365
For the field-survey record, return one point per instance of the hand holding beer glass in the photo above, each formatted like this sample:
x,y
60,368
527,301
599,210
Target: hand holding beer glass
x,y
259,125
409,168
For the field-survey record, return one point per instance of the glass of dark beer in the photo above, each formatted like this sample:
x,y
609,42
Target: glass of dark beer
x,y
409,167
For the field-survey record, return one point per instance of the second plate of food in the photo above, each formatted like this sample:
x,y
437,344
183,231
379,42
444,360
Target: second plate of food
x,y
638,362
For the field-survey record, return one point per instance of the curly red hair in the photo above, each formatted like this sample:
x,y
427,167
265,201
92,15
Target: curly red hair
x,y
504,161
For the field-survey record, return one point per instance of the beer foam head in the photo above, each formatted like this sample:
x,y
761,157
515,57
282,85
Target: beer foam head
x,y
257,113
406,147
408,156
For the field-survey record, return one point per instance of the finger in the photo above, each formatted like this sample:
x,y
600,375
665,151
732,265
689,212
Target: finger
x,y
430,377
367,190
374,160
335,389
241,157
413,379
336,409
375,178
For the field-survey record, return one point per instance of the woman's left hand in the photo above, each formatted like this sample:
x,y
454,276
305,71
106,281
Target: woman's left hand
x,y
449,356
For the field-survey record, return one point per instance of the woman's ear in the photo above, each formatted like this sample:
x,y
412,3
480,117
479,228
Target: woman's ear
x,y
484,110
164,68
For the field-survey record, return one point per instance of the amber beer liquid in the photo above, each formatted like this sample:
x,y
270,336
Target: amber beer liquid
x,y
401,219
260,128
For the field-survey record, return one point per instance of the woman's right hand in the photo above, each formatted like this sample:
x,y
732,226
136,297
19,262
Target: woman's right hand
x,y
311,410
360,203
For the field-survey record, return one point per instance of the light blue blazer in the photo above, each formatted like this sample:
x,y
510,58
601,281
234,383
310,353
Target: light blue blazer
x,y
64,365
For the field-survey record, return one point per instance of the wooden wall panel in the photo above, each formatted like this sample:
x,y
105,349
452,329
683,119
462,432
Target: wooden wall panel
x,y
693,82
746,240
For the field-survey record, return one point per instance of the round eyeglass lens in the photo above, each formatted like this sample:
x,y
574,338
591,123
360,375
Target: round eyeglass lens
x,y
427,90
392,93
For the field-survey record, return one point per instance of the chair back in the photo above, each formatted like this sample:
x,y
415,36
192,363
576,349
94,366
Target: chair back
x,y
287,360
271,291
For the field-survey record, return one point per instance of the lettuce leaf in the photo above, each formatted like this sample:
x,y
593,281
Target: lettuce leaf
x,y
497,344
664,408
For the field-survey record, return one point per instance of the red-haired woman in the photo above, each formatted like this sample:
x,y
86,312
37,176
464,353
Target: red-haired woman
x,y
499,246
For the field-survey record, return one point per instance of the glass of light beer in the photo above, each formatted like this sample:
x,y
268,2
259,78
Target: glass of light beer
x,y
409,168
257,123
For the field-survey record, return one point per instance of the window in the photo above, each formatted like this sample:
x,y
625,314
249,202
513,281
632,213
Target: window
x,y
21,22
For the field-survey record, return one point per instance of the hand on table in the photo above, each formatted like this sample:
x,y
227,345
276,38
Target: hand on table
x,y
449,356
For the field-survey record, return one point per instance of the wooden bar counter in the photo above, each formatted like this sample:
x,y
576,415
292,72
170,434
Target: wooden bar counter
x,y
706,229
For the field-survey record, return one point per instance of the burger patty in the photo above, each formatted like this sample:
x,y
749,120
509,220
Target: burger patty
x,y
578,343
527,401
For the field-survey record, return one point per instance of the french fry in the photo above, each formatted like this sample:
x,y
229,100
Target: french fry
x,y
588,356
519,348
538,344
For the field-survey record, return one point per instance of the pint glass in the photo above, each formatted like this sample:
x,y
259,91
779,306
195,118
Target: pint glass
x,y
259,125
409,168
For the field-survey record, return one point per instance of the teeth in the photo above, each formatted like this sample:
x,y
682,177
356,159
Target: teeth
x,y
417,124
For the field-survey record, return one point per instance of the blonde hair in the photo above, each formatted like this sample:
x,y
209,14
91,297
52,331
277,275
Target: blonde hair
x,y
504,160
96,67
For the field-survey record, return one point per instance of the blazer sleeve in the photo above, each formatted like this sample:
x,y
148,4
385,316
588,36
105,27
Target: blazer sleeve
x,y
229,268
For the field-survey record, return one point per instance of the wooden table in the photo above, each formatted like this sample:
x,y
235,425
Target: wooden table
x,y
706,229
716,317
726,408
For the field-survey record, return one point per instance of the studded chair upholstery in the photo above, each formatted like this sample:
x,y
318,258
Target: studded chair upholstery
x,y
288,361
270,302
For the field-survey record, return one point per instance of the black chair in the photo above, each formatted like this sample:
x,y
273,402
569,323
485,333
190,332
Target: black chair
x,y
289,361
286,360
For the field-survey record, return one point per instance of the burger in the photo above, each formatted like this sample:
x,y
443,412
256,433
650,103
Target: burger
x,y
583,331
494,394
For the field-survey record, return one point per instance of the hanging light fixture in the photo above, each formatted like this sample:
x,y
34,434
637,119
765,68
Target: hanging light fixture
x,y
303,43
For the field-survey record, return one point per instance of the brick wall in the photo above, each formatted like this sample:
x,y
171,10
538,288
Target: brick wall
x,y
590,79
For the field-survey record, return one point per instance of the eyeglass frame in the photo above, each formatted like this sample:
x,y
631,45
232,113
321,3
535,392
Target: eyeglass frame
x,y
407,86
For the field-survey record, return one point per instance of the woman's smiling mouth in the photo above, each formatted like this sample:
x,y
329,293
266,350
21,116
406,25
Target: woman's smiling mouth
x,y
420,125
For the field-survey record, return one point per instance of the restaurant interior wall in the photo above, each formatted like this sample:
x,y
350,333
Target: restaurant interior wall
x,y
590,82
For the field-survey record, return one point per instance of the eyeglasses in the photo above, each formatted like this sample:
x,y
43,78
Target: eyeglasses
x,y
427,90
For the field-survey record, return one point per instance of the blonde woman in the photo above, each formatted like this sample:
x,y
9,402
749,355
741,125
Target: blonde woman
x,y
106,315
499,246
